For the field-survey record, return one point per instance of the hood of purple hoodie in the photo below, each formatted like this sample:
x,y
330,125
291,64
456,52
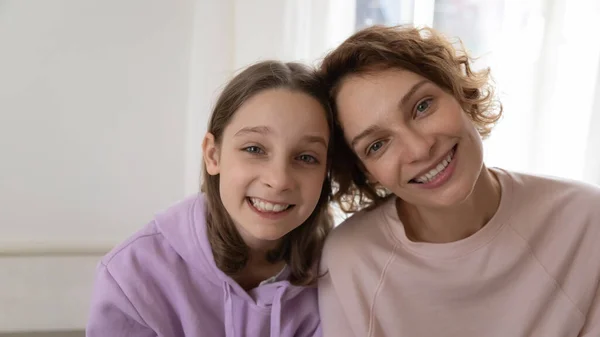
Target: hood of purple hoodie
x,y
184,227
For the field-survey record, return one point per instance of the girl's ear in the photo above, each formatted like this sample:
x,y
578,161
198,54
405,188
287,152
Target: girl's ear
x,y
210,154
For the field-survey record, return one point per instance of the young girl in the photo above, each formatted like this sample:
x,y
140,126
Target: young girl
x,y
237,259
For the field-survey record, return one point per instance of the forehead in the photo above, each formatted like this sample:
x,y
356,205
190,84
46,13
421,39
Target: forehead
x,y
285,112
364,98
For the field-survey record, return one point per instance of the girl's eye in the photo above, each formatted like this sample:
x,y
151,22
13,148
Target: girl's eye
x,y
253,149
375,147
308,159
423,106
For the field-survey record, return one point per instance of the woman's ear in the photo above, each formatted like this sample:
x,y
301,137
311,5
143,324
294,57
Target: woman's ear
x,y
210,154
368,176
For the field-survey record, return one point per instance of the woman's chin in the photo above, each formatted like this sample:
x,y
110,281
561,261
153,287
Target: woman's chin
x,y
448,197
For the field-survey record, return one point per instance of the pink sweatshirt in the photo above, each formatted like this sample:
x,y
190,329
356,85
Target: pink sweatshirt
x,y
533,270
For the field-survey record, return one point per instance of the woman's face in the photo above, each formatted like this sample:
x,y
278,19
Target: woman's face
x,y
412,137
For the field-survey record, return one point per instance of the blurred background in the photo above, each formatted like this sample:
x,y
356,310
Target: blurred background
x,y
103,105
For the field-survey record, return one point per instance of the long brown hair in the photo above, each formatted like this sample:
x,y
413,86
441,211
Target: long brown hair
x,y
301,248
422,51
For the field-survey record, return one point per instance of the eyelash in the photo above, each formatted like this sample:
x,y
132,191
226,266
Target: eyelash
x,y
259,150
370,149
429,102
311,159
305,158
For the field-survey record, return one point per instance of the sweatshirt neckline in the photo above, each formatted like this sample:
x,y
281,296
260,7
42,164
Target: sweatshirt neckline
x,y
461,247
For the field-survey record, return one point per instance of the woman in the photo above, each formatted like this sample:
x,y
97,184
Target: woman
x,y
442,245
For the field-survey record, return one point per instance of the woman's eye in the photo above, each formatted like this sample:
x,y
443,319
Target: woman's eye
x,y
375,147
423,106
253,149
308,159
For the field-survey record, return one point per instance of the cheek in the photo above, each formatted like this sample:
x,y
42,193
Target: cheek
x,y
385,176
454,123
449,119
463,120
471,130
235,170
385,168
312,184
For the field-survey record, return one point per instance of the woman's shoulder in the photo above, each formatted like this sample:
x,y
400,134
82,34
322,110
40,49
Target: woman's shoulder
x,y
358,230
548,204
540,187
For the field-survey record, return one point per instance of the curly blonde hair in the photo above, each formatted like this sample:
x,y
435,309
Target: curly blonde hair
x,y
422,51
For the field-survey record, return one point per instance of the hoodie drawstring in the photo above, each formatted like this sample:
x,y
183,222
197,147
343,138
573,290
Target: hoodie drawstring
x,y
229,329
276,313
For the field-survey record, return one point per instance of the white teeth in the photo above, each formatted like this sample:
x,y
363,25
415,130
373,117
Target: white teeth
x,y
279,208
427,177
267,206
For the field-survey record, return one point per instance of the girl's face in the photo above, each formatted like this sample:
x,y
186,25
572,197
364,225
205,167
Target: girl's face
x,y
271,162
411,136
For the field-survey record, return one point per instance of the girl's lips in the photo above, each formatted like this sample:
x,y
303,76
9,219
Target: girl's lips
x,y
269,215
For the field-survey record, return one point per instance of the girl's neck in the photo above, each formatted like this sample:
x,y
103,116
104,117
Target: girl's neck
x,y
258,268
454,223
257,271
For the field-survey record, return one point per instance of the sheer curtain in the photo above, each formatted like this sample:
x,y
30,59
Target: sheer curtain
x,y
545,60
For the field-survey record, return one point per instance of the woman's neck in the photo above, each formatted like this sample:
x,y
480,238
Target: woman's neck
x,y
442,225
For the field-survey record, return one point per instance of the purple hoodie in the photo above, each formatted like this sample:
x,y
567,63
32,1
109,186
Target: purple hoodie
x,y
163,282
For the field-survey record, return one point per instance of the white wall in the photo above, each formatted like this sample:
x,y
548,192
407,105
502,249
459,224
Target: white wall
x,y
96,135
45,293
93,106
592,167
289,30
211,65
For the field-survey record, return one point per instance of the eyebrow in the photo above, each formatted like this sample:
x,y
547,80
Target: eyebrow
x,y
365,133
253,129
263,130
373,128
315,139
412,91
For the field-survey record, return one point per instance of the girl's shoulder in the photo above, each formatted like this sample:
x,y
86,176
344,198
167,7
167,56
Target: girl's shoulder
x,y
152,240
134,245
